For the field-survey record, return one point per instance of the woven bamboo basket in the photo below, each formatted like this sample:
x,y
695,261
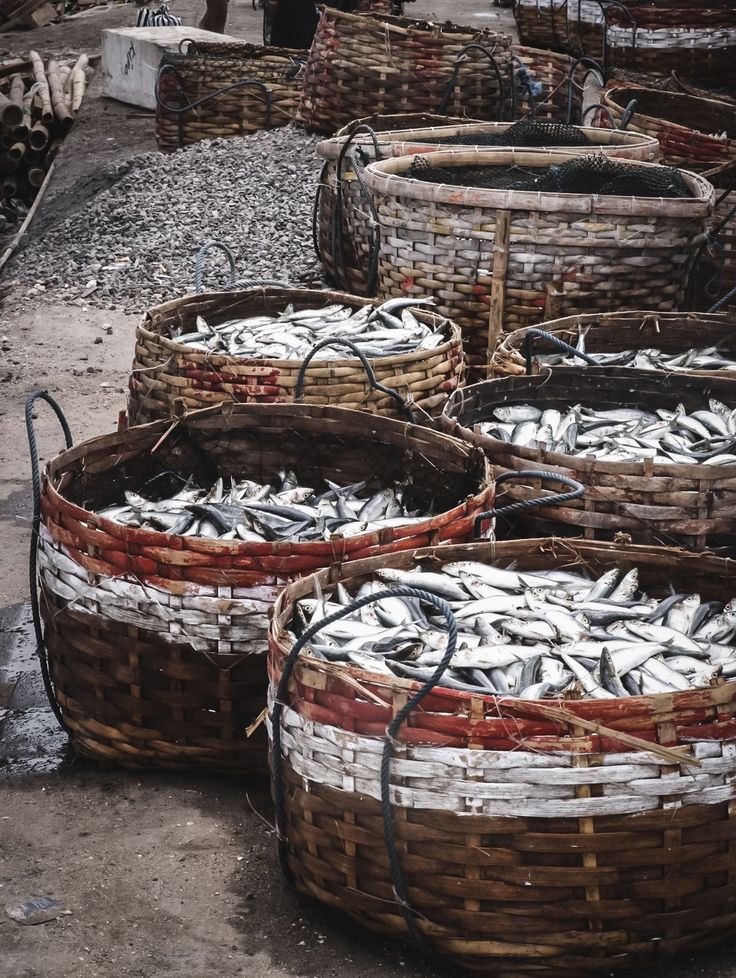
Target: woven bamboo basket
x,y
690,505
680,123
348,251
226,90
533,838
497,260
586,28
695,38
542,23
716,270
361,64
671,332
155,642
168,376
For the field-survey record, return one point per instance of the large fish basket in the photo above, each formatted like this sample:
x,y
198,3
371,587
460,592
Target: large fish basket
x,y
586,28
497,260
361,64
156,643
696,39
233,90
542,23
530,838
691,505
346,228
168,376
613,332
694,132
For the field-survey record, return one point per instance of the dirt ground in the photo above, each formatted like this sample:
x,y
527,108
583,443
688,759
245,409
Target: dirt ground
x,y
164,876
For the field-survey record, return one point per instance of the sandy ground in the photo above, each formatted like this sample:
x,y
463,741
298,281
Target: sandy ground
x,y
163,875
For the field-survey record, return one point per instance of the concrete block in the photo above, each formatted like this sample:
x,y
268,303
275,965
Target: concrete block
x,y
131,56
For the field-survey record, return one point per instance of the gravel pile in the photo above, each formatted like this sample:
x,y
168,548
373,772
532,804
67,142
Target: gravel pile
x,y
134,244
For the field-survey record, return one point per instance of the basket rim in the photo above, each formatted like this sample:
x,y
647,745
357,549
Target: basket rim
x,y
329,149
145,330
386,177
157,430
633,553
588,465
673,98
511,342
414,27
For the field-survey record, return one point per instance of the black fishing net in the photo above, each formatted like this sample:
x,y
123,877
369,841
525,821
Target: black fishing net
x,y
527,132
583,175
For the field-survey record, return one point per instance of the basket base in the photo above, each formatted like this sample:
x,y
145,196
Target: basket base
x,y
499,897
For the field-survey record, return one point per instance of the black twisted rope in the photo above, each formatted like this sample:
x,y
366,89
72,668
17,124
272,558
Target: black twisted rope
x,y
588,62
35,526
199,264
180,110
542,334
577,490
459,60
389,832
337,244
372,379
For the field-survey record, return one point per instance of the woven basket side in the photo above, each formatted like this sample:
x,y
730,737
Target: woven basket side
x,y
234,95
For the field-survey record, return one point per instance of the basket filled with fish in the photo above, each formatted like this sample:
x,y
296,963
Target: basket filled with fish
x,y
698,133
683,342
161,548
655,450
266,345
361,64
520,756
508,238
233,90
346,225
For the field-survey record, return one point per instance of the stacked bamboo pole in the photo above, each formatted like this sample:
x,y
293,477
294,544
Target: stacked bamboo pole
x,y
38,104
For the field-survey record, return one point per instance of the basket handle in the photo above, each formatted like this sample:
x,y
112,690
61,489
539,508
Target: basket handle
x,y
589,63
577,490
389,834
372,379
35,526
456,72
615,5
336,235
603,108
542,334
199,264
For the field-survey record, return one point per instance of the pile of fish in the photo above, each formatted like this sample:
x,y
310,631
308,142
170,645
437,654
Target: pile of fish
x,y
260,513
621,434
533,635
387,330
697,358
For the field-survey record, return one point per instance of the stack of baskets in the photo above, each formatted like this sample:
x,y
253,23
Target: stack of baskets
x,y
497,260
694,38
220,90
361,64
530,839
169,376
345,227
691,505
155,641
